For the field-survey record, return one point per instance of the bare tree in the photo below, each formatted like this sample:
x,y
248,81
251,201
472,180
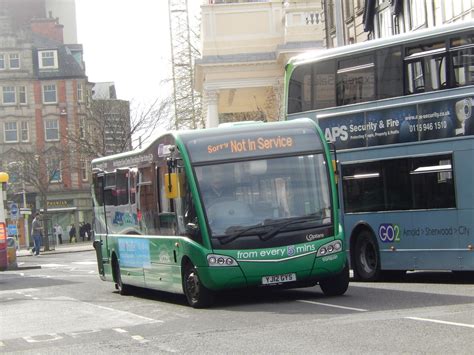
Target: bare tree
x,y
39,170
108,127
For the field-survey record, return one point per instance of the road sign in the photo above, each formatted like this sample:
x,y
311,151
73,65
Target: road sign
x,y
25,211
12,229
14,211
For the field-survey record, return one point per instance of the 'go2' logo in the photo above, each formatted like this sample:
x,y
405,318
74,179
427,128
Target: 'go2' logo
x,y
389,233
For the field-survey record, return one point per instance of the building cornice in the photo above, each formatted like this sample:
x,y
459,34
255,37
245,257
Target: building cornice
x,y
240,83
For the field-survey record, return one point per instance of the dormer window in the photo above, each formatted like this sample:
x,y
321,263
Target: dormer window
x,y
48,59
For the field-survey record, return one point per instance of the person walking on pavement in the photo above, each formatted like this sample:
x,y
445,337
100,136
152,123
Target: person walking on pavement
x,y
36,233
58,231
72,234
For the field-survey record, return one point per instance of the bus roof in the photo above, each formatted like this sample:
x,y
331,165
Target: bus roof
x,y
210,134
312,56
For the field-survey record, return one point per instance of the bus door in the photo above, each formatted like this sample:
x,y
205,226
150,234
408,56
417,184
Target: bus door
x,y
99,222
163,272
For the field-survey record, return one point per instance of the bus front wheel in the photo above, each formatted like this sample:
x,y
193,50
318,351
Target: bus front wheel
x,y
366,257
337,285
122,288
198,295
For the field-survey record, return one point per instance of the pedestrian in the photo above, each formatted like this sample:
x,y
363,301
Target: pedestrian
x,y
72,234
88,231
58,232
36,228
82,231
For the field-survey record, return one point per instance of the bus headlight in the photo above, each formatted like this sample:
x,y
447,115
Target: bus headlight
x,y
220,260
330,248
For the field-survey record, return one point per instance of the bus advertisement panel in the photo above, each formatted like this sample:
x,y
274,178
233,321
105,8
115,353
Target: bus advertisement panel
x,y
411,123
400,112
196,212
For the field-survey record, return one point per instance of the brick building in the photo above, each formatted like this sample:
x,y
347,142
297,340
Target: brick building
x,y
43,100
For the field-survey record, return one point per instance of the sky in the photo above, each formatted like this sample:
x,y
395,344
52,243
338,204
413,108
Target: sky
x,y
127,42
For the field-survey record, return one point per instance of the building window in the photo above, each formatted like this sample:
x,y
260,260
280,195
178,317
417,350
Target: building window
x,y
54,169
455,9
25,134
22,94
11,132
80,93
350,34
82,128
348,9
418,14
330,14
9,95
2,61
48,59
14,61
51,130
49,94
84,170
385,23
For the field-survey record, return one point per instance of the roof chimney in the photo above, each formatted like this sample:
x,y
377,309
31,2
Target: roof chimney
x,y
49,28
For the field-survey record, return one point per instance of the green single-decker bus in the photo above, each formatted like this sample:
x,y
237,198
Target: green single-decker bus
x,y
243,205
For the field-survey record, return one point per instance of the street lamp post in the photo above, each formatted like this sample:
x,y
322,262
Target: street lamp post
x,y
25,216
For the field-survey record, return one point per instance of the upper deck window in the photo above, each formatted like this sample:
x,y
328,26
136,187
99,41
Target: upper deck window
x,y
355,80
426,67
462,54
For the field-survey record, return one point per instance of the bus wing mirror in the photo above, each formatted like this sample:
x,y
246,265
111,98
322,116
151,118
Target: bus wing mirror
x,y
192,230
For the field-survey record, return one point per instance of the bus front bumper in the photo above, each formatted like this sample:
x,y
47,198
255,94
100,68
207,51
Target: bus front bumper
x,y
305,270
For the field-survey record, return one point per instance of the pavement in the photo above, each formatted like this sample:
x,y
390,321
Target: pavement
x,y
60,248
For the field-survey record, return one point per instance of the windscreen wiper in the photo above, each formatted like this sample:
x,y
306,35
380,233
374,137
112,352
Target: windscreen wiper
x,y
225,239
280,226
279,223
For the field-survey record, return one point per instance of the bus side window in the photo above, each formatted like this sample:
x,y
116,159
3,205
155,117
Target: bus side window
x,y
167,216
389,67
98,189
98,201
426,67
324,85
186,211
355,80
462,56
121,187
147,208
110,195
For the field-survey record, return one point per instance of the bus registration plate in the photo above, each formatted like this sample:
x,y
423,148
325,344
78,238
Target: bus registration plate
x,y
278,279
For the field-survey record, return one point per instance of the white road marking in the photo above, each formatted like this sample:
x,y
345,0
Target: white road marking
x,y
52,337
140,339
85,262
79,316
442,322
52,265
19,291
120,330
78,334
334,306
151,320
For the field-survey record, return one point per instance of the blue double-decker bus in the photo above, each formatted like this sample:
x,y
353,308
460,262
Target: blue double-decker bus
x,y
400,113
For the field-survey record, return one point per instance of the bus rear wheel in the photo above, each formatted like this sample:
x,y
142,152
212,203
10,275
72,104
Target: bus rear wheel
x,y
122,288
337,285
198,295
366,257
